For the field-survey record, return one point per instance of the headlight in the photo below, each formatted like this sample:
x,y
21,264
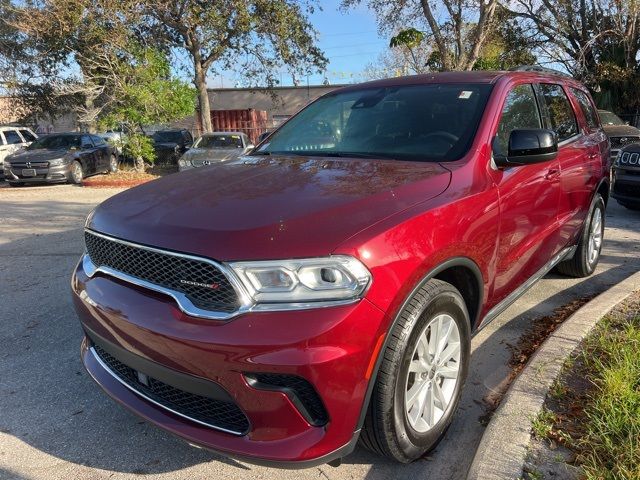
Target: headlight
x,y
57,161
183,162
331,279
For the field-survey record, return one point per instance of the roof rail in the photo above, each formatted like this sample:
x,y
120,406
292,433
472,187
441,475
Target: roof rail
x,y
538,68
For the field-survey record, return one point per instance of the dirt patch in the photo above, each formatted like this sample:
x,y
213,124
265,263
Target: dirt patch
x,y
527,345
127,177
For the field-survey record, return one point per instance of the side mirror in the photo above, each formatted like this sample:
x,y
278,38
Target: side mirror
x,y
528,147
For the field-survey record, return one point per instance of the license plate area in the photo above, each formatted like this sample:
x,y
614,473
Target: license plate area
x,y
28,172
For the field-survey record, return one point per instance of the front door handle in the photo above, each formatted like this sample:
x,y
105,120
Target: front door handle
x,y
552,173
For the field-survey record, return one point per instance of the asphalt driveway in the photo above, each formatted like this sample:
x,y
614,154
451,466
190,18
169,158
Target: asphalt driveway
x,y
55,423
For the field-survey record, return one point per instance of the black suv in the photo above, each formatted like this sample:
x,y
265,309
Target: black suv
x,y
169,145
626,177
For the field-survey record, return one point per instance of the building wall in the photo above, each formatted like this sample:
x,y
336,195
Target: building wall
x,y
279,103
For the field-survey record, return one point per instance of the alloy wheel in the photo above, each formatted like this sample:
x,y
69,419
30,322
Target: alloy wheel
x,y
434,371
595,237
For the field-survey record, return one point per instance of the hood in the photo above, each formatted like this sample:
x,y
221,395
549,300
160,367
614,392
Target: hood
x,y
198,155
621,131
267,207
37,155
164,145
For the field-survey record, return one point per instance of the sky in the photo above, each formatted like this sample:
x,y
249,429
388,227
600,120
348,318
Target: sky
x,y
349,40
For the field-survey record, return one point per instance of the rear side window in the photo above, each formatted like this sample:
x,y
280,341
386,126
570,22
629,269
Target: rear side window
x,y
520,111
98,141
561,116
12,137
587,108
27,135
86,142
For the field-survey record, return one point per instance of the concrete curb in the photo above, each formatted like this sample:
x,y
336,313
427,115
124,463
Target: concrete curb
x,y
503,448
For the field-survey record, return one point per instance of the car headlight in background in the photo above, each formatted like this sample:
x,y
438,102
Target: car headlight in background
x,y
57,161
184,163
337,278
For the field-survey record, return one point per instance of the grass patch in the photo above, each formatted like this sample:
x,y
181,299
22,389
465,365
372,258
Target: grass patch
x,y
543,424
610,446
594,409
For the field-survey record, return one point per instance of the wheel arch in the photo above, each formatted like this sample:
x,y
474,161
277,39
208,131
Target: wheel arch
x,y
464,274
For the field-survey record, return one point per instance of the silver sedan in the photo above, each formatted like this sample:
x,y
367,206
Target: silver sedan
x,y
216,147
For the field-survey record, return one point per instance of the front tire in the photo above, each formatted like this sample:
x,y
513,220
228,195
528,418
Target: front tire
x,y
587,255
420,379
77,173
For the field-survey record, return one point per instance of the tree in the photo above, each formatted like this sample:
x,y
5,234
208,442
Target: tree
x,y
597,41
95,60
458,29
145,93
255,37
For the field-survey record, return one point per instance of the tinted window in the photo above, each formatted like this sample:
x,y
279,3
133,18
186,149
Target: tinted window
x,y
27,135
167,137
561,116
86,142
433,122
609,118
55,142
520,111
219,141
12,137
587,108
97,141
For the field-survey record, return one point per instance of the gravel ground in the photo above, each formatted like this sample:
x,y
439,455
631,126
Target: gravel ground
x,y
56,424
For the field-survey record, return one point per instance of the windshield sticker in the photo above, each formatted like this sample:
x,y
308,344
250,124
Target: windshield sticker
x,y
465,94
235,137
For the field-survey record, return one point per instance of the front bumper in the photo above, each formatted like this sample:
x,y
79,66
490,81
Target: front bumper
x,y
626,185
331,348
49,174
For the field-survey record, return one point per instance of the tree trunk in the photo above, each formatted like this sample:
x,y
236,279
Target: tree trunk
x,y
200,81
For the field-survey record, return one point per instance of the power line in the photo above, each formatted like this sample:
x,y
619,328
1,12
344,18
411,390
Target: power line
x,y
346,33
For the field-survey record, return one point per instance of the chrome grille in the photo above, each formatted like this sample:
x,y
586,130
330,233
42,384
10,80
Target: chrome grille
x,y
201,282
619,142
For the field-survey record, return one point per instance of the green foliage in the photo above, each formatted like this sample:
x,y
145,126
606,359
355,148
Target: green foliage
x,y
542,425
147,93
611,442
410,38
139,147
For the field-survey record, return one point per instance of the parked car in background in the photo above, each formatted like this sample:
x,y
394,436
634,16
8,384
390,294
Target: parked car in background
x,y
324,289
13,139
620,133
215,147
115,138
170,145
626,177
59,158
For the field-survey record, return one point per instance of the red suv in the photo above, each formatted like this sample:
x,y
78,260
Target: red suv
x,y
324,289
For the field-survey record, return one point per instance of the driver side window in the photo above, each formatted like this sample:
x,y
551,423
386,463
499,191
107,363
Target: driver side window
x,y
520,111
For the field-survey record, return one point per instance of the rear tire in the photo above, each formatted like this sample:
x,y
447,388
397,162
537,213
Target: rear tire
x,y
420,379
587,255
77,173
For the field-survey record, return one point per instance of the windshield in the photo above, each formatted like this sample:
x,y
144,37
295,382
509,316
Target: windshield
x,y
168,137
55,142
433,122
609,118
219,141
